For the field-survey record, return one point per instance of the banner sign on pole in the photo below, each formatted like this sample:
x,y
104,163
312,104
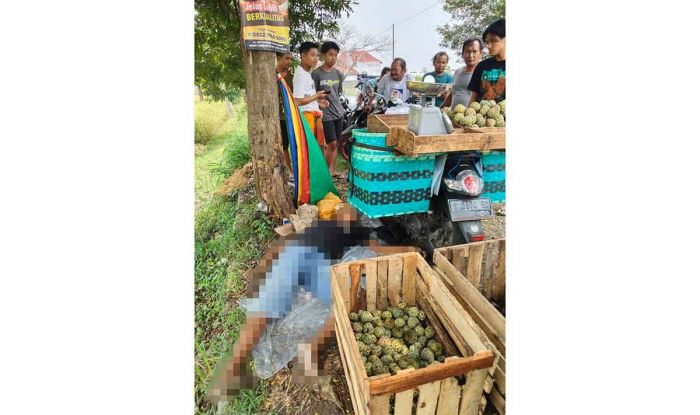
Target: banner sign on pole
x,y
265,24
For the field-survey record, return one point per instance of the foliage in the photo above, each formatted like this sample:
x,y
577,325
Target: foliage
x,y
218,55
469,19
209,120
228,237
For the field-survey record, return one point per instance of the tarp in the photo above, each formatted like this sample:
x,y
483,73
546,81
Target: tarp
x,y
312,180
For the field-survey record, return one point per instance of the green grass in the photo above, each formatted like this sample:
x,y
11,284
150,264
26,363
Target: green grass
x,y
227,151
228,238
209,120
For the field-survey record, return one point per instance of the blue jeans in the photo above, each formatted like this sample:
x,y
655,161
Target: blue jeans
x,y
297,266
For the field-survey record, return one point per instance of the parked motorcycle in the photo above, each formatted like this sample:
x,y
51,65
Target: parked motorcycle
x,y
456,212
357,118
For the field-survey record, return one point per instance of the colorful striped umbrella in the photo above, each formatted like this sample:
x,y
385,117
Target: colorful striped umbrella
x,y
312,180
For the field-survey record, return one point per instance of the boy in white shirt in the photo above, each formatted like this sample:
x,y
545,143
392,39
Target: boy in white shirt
x,y
305,95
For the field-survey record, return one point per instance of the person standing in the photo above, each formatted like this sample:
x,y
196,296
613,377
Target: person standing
x,y
309,100
489,79
329,79
283,68
440,74
394,85
471,53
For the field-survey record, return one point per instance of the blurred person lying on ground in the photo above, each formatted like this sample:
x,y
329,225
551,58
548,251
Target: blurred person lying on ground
x,y
301,261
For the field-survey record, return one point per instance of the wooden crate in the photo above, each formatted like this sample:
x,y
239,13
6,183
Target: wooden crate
x,y
408,278
384,122
476,274
480,140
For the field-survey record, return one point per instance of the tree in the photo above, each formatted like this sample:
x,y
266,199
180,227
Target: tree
x,y
349,39
218,59
223,68
469,19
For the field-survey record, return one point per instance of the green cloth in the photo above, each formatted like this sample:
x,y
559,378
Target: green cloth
x,y
320,181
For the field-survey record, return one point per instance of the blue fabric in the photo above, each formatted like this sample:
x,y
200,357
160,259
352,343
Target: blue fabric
x,y
297,266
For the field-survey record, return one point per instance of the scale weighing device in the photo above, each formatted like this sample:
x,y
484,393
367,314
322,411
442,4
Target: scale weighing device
x,y
425,118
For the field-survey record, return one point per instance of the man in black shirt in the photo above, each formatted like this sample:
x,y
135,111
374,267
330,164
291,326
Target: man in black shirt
x,y
489,79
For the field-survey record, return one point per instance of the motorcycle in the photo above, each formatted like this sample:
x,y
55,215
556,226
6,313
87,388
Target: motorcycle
x,y
455,213
357,118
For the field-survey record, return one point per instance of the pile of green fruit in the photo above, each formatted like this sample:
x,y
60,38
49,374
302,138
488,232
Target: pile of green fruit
x,y
395,339
479,114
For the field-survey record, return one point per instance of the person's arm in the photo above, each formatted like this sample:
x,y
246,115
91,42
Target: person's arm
x,y
473,97
312,98
447,102
298,93
231,372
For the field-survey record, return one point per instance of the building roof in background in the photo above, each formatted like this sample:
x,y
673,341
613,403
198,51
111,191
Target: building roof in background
x,y
346,60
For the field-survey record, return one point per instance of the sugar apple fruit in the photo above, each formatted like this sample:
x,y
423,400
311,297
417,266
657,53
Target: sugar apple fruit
x,y
365,316
353,316
469,121
475,105
470,111
427,355
480,120
460,108
490,122
493,111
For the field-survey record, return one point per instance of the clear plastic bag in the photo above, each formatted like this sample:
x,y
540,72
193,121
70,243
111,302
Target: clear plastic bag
x,y
279,344
357,252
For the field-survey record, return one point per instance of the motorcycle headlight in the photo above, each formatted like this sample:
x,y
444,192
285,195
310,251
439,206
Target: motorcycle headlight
x,y
470,182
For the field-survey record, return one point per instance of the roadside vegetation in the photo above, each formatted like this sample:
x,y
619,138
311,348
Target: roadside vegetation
x,y
230,235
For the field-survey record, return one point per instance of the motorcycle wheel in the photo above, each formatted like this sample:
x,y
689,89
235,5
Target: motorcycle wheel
x,y
344,146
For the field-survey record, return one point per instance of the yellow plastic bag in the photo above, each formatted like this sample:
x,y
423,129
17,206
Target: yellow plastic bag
x,y
326,206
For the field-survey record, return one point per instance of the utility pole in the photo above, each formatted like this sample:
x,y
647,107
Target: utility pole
x,y
392,42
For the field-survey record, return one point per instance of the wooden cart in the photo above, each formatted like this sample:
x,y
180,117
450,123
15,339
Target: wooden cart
x,y
463,139
476,275
408,278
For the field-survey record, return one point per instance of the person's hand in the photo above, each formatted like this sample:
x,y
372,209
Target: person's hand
x,y
320,94
323,103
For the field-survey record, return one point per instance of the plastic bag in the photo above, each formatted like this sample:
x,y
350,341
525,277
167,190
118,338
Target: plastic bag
x,y
357,252
326,206
279,344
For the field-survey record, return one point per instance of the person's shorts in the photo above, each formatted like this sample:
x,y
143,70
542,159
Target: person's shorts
x,y
297,266
332,130
285,135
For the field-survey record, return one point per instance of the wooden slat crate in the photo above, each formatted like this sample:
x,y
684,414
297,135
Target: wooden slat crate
x,y
408,278
476,275
480,140
384,122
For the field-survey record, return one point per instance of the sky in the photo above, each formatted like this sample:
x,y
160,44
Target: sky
x,y
416,40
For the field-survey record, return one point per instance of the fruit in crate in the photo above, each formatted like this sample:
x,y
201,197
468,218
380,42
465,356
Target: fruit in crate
x,y
485,113
395,339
